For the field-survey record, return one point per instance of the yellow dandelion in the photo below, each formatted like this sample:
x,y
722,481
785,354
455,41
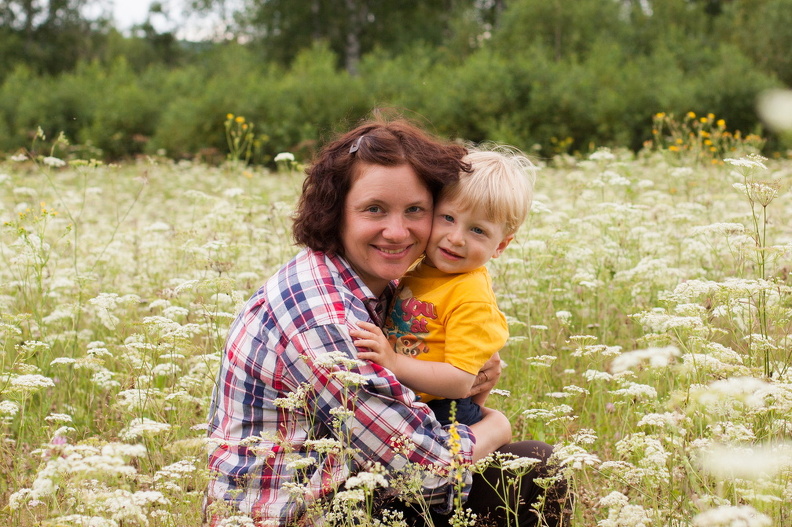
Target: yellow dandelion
x,y
713,149
707,142
704,133
660,115
721,123
240,119
679,141
674,148
691,115
703,120
229,116
710,116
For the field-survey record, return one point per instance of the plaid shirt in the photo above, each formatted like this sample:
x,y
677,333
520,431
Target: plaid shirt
x,y
274,351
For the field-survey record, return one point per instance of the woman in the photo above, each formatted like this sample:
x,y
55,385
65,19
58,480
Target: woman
x,y
289,381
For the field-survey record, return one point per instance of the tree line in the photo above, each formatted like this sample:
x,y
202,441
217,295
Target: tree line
x,y
547,76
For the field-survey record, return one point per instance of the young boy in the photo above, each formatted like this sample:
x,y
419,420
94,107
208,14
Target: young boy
x,y
445,313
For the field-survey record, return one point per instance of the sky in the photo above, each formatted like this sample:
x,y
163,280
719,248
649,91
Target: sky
x,y
128,13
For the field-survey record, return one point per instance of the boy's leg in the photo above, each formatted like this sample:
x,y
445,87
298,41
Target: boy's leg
x,y
466,411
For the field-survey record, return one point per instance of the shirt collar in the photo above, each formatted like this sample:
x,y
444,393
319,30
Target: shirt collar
x,y
376,306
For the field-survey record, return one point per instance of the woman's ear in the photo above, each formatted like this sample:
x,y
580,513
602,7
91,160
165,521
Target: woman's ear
x,y
502,245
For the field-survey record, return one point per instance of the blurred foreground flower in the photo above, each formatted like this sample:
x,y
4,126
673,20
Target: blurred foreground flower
x,y
747,462
731,516
775,108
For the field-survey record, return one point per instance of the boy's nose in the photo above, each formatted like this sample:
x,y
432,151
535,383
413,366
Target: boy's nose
x,y
456,237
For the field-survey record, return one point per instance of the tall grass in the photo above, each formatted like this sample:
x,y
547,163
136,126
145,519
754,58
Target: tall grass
x,y
648,297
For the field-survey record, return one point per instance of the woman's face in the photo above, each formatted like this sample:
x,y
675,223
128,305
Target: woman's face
x,y
386,224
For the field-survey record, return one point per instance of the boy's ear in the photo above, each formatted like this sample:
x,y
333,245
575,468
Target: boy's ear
x,y
502,245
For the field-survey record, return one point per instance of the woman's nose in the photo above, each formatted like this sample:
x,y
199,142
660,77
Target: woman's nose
x,y
395,229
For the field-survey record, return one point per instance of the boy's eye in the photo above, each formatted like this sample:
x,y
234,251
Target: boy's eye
x,y
448,218
477,230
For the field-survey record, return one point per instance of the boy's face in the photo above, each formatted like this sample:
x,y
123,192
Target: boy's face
x,y
463,240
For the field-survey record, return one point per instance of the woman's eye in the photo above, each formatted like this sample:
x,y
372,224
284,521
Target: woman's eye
x,y
414,209
374,209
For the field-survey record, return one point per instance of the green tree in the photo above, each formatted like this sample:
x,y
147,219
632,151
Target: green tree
x,y
47,35
280,29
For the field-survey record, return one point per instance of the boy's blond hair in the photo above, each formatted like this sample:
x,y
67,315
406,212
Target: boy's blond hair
x,y
501,184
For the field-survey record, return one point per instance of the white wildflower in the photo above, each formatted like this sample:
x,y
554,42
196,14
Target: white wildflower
x,y
80,520
751,161
657,358
622,514
63,360
541,360
636,391
350,378
284,156
725,229
237,521
575,457
324,445
520,464
333,359
176,470
31,382
300,463
602,154
564,317
8,408
366,480
233,192
58,418
53,162
142,426
595,375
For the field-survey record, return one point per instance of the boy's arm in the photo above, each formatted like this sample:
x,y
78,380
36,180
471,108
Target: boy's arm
x,y
438,378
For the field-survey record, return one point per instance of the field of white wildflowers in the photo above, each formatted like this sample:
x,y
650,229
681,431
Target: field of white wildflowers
x,y
649,298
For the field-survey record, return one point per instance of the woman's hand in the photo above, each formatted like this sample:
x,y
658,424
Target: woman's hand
x,y
380,351
487,376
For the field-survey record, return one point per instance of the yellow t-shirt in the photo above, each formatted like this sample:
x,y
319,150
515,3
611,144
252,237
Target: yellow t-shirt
x,y
452,318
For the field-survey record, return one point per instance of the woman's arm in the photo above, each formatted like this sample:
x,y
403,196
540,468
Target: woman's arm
x,y
380,411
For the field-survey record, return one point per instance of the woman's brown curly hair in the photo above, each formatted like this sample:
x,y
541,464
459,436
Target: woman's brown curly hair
x,y
319,216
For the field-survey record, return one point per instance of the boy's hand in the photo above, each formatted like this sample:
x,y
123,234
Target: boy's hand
x,y
371,336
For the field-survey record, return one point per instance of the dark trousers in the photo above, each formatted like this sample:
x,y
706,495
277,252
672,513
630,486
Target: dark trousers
x,y
487,502
465,411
